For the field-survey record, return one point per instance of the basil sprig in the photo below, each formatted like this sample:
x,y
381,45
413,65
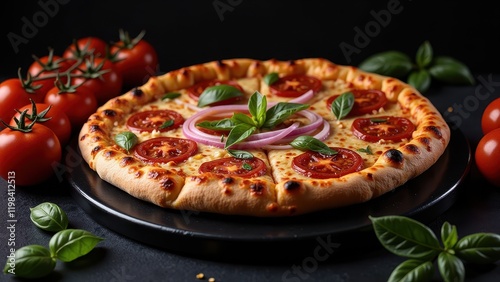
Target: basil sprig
x,y
342,105
127,140
409,238
420,73
49,217
241,126
217,93
35,261
312,144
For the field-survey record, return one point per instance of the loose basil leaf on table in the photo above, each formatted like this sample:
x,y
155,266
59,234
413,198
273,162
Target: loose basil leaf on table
x,y
449,70
449,235
127,140
217,93
49,217
424,55
32,261
342,105
451,267
479,248
390,63
70,244
310,143
420,79
412,270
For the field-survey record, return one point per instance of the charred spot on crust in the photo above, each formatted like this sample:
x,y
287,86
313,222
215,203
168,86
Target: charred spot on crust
x,y
137,92
425,141
109,113
83,137
96,149
257,188
394,157
369,176
291,63
126,161
227,180
412,148
435,130
109,154
291,185
272,207
167,184
94,128
184,72
221,64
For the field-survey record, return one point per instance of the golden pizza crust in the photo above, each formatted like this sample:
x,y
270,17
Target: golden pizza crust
x,y
212,193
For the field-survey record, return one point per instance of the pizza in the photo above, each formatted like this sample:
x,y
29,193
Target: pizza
x,y
264,138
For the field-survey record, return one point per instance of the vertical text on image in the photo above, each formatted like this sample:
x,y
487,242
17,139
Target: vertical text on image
x,y
11,220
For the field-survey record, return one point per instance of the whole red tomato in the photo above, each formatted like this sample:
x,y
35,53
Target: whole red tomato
x,y
85,46
29,156
44,71
487,156
78,105
101,77
13,96
135,59
491,116
54,119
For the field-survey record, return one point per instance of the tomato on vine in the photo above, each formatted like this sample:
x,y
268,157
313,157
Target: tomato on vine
x,y
85,47
14,94
28,150
135,59
53,118
76,101
101,77
487,156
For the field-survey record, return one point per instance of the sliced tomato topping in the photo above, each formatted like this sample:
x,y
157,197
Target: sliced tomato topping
x,y
196,90
316,165
161,120
233,166
166,149
295,85
385,127
365,101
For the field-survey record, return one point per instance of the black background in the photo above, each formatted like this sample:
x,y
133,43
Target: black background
x,y
191,32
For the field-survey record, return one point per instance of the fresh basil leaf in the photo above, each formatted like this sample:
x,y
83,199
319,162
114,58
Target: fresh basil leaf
x,y
271,78
257,106
449,70
280,112
390,63
238,118
171,95
424,55
166,124
449,235
217,93
71,244
366,150
342,105
240,154
32,261
239,133
406,237
310,143
49,217
451,268
127,140
479,248
420,79
247,166
412,270
223,124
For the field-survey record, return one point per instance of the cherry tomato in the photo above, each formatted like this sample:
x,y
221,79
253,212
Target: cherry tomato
x,y
365,101
135,59
78,105
85,46
49,65
55,119
316,165
29,156
384,127
105,87
13,96
198,88
253,167
155,120
487,156
491,116
295,85
166,149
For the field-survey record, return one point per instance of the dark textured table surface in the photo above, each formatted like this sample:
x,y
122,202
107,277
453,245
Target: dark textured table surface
x,y
476,208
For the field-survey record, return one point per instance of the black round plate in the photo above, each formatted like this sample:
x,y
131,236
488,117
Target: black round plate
x,y
222,236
